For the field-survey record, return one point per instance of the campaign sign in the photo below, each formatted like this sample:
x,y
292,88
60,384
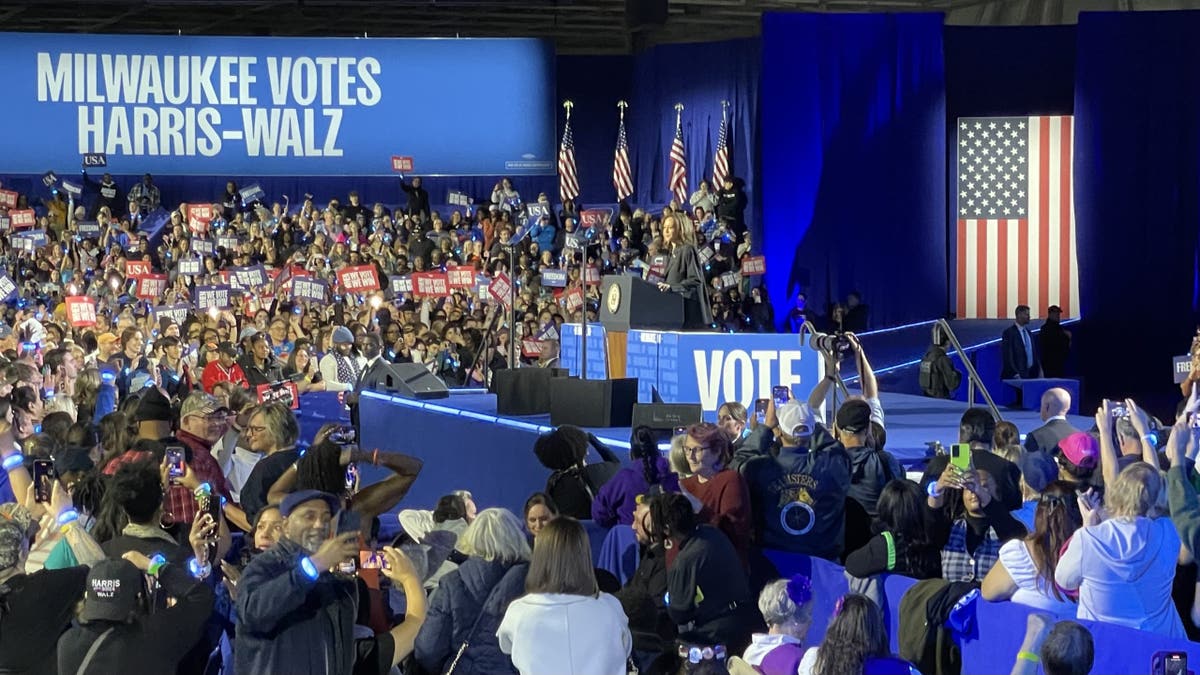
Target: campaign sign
x,y
88,229
500,289
268,106
21,242
595,218
554,278
1181,364
199,216
252,193
212,296
359,278
177,312
190,267
706,253
8,198
401,284
35,238
574,241
253,276
431,284
228,241
73,189
5,224
94,159
461,277
753,266
8,289
49,179
592,275
280,392
658,269
81,311
203,246
531,349
151,286
307,288
574,299
137,268
22,219
458,198
402,164
549,332
730,280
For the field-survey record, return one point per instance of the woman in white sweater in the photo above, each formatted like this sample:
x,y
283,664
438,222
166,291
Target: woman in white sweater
x,y
565,625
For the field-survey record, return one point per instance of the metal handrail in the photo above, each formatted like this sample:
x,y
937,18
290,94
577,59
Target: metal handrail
x,y
973,379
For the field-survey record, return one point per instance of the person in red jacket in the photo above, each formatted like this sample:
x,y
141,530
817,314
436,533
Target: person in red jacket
x,y
224,369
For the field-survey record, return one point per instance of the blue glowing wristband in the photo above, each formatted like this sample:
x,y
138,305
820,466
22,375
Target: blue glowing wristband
x,y
13,461
198,570
156,564
68,516
309,569
932,491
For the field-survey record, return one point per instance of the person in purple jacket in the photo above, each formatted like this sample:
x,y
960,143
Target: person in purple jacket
x,y
648,474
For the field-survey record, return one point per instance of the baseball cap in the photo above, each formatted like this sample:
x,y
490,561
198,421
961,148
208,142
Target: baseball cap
x,y
107,338
228,349
154,407
796,419
1081,449
854,416
111,593
295,499
1038,469
342,336
200,403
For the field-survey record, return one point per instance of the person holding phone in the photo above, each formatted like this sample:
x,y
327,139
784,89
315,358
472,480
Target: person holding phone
x,y
970,543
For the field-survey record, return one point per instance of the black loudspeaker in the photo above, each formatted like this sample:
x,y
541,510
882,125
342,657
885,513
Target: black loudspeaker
x,y
523,391
592,403
410,380
645,13
667,416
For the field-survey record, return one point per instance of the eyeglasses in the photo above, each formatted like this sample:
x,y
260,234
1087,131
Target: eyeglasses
x,y
694,448
255,429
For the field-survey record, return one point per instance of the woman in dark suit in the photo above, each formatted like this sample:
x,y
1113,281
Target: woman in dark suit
x,y
684,276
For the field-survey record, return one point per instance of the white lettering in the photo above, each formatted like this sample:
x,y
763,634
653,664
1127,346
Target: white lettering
x,y
728,374
331,134
368,94
764,358
54,81
706,377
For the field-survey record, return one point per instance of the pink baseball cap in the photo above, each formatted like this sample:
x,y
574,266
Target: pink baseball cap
x,y
1081,449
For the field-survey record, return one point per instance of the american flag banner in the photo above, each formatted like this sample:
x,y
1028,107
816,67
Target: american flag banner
x,y
1016,217
678,181
568,180
721,158
622,173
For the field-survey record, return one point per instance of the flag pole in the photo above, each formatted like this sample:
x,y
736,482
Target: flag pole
x,y
583,322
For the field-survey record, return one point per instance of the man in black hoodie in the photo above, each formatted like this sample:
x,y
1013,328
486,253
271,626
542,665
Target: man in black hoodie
x,y
418,198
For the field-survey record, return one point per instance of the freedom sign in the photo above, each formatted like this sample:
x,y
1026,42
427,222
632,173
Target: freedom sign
x,y
554,278
81,311
266,106
359,278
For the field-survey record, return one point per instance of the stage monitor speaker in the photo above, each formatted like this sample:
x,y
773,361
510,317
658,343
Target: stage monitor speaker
x,y
523,391
592,403
409,380
667,416
645,13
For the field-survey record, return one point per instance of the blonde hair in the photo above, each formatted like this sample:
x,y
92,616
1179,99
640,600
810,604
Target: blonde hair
x,y
1138,491
495,534
677,457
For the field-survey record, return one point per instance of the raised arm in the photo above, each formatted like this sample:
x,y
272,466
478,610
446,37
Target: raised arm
x,y
866,375
1108,452
376,499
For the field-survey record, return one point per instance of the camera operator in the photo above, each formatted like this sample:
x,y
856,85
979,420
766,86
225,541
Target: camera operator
x,y
834,347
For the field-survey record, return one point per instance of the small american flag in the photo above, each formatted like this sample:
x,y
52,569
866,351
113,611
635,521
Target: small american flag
x,y
622,174
678,182
1016,217
568,181
721,159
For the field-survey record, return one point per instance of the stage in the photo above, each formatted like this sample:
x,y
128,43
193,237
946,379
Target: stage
x,y
466,445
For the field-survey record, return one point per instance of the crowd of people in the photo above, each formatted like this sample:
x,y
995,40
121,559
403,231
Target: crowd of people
x,y
160,513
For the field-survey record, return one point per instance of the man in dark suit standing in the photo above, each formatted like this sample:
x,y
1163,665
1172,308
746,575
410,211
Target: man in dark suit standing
x,y
1019,350
418,198
1055,405
371,346
1054,344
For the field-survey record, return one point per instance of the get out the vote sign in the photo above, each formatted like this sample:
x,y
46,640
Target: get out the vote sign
x,y
81,312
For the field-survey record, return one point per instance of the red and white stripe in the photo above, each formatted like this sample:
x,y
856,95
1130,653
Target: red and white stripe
x,y
677,184
568,181
1002,263
622,173
721,158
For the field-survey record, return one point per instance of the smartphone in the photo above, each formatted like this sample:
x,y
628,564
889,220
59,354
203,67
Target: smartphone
x,y
960,456
370,560
207,501
349,521
352,477
782,394
1169,663
43,474
760,410
175,461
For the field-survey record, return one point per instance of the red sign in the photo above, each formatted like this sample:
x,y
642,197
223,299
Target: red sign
x,y
500,288
574,299
136,268
8,198
461,277
658,269
753,266
81,312
358,278
593,276
402,164
531,349
21,219
431,283
152,286
280,392
199,216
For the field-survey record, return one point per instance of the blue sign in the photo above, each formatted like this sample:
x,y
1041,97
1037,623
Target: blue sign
x,y
88,229
7,288
252,193
206,105
704,368
214,296
554,278
307,288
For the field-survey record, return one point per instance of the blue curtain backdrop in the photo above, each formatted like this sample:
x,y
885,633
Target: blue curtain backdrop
x,y
854,168
1137,204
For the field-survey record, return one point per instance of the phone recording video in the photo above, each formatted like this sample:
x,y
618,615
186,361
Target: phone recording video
x,y
760,410
960,456
781,394
175,462
1170,663
43,477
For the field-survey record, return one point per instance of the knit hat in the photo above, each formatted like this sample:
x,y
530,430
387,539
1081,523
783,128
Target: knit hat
x,y
1081,449
112,591
796,419
854,416
342,336
1038,469
154,407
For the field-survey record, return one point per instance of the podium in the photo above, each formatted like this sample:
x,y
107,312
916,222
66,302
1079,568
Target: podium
x,y
629,303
